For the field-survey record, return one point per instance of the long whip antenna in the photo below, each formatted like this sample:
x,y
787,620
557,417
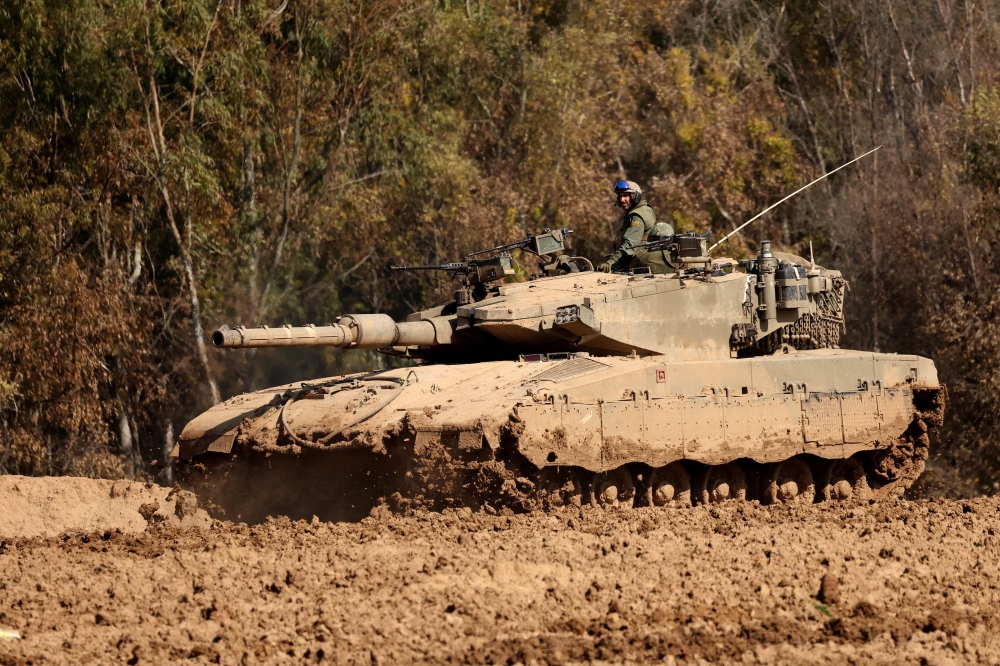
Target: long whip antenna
x,y
773,206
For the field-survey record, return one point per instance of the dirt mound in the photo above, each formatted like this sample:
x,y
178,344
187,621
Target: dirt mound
x,y
899,581
49,506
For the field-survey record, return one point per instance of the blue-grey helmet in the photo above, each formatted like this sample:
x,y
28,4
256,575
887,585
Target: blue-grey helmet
x,y
630,188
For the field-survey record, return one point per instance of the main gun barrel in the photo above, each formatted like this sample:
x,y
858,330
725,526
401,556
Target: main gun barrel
x,y
364,331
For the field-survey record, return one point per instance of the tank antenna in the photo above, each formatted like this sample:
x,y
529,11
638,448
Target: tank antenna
x,y
812,261
772,206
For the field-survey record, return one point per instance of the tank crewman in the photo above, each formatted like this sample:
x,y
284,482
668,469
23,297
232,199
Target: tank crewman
x,y
637,222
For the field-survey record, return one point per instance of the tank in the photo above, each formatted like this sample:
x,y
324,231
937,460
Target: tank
x,y
720,382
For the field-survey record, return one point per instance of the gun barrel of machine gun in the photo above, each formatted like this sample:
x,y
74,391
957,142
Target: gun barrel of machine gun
x,y
667,242
659,244
471,271
522,244
451,266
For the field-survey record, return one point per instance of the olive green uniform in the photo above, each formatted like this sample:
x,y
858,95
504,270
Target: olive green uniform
x,y
636,224
658,261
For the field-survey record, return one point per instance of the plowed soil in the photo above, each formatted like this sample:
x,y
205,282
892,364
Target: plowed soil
x,y
902,582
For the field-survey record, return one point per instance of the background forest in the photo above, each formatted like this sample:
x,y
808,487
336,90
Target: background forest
x,y
166,167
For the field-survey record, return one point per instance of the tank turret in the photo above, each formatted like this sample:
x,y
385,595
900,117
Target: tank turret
x,y
708,309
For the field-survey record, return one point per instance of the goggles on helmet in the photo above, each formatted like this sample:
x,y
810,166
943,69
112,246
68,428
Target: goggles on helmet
x,y
621,187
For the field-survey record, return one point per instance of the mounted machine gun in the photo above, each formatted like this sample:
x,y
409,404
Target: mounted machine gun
x,y
477,274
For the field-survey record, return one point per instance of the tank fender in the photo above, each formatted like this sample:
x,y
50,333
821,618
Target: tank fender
x,y
215,430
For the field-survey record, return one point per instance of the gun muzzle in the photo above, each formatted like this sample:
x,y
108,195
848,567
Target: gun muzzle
x,y
364,331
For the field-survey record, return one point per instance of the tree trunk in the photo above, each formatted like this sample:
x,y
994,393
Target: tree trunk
x,y
160,149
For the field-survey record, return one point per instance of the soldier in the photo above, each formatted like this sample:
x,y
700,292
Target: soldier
x,y
637,222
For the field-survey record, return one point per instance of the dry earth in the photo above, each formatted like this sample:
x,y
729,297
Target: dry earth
x,y
905,582
50,506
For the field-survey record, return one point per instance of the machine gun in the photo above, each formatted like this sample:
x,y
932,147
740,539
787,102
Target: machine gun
x,y
476,274
546,243
688,248
550,247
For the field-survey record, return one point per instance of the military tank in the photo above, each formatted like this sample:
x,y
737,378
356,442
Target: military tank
x,y
722,381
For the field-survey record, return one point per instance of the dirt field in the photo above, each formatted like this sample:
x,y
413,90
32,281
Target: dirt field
x,y
906,582
50,506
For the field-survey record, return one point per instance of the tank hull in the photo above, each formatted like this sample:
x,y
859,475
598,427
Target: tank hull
x,y
428,433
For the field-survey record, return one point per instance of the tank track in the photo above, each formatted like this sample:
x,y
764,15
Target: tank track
x,y
248,485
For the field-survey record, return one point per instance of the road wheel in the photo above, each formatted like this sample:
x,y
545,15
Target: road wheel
x,y
559,488
721,483
613,489
845,482
669,486
789,482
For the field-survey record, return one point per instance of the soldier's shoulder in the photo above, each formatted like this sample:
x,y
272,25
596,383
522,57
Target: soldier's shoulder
x,y
643,212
